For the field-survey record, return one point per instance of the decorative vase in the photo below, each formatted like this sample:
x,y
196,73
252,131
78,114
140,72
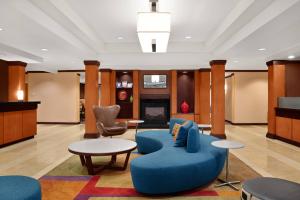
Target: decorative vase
x,y
122,95
184,107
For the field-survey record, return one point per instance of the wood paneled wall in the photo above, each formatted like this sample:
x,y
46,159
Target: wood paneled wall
x,y
16,79
218,98
136,99
204,97
91,97
3,81
276,88
173,92
112,87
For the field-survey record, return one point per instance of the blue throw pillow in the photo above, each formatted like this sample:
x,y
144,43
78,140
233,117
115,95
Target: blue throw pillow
x,y
193,139
183,133
173,121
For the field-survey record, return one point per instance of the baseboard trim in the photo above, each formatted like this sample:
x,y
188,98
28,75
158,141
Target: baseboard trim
x,y
91,135
292,142
70,123
17,141
242,124
270,135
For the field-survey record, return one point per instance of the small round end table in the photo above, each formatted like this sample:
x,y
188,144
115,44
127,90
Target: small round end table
x,y
227,144
204,126
136,122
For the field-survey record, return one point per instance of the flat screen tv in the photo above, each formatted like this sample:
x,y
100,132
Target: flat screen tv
x,y
155,81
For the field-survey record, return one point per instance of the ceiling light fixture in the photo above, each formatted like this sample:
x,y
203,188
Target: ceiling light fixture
x,y
120,38
188,37
261,49
291,57
153,29
44,49
1,29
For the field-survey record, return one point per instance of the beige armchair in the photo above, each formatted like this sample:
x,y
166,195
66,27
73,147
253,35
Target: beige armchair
x,y
105,121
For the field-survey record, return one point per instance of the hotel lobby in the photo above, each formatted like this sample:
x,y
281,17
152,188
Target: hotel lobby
x,y
150,99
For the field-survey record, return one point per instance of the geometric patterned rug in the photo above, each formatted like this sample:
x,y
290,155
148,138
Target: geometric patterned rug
x,y
70,180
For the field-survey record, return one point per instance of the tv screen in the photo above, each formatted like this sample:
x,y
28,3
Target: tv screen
x,y
155,81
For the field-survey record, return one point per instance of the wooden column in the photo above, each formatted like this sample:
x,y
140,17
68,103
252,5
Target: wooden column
x,y
197,95
173,92
105,87
276,88
218,98
16,79
204,96
113,77
136,99
91,97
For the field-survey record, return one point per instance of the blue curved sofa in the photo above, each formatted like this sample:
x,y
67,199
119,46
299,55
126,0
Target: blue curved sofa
x,y
167,169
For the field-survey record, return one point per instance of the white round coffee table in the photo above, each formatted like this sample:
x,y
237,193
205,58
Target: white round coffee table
x,y
136,122
102,147
204,126
227,144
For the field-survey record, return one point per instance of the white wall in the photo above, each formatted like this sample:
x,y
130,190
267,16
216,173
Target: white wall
x,y
247,97
59,96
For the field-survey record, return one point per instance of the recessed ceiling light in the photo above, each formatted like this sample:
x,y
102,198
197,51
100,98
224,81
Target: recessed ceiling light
x,y
1,29
188,37
124,72
261,49
120,38
44,49
291,57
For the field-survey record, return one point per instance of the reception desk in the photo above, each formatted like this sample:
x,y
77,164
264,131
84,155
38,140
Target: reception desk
x,y
18,121
288,125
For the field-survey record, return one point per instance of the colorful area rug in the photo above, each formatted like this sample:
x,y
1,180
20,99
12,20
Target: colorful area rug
x,y
71,181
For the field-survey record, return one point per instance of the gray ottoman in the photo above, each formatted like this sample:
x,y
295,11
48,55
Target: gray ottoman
x,y
270,189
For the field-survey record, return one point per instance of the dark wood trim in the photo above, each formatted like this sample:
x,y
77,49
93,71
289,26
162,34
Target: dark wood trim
x,y
91,62
272,136
16,63
91,135
217,62
282,62
230,75
16,141
220,136
288,113
18,106
204,70
106,70
35,72
247,70
244,124
67,123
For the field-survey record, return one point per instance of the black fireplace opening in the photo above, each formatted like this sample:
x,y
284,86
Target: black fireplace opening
x,y
155,113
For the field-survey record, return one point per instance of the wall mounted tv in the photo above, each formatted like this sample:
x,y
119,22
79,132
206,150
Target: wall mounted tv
x,y
155,81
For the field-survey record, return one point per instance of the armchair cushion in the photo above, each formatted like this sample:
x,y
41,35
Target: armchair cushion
x,y
106,115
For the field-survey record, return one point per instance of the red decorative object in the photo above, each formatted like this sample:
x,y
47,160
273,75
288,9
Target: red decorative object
x,y
185,107
122,95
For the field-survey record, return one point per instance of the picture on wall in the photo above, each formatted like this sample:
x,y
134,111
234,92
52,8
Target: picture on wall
x,y
155,81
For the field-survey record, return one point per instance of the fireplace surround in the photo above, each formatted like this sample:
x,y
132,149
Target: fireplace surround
x,y
155,112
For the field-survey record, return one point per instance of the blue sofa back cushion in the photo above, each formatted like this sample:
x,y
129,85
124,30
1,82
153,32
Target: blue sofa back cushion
x,y
181,138
193,139
173,121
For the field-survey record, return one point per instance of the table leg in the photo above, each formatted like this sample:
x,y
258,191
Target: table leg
x,y
136,128
226,182
82,160
89,165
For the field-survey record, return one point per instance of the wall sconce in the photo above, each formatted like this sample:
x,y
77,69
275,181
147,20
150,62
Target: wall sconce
x,y
20,95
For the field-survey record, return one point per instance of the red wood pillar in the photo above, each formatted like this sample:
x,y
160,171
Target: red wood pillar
x,y
91,97
106,84
276,88
218,98
136,100
173,93
16,79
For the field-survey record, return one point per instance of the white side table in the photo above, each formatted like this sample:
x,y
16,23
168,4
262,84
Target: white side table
x,y
203,126
227,144
136,122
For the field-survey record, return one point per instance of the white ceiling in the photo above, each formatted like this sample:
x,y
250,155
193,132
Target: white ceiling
x,y
77,30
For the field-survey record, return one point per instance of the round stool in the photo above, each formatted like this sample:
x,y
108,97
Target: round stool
x,y
270,189
19,188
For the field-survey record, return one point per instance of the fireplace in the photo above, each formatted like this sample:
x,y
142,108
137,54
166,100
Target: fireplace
x,y
155,113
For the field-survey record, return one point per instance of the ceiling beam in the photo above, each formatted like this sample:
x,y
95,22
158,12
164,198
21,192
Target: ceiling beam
x,y
276,8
